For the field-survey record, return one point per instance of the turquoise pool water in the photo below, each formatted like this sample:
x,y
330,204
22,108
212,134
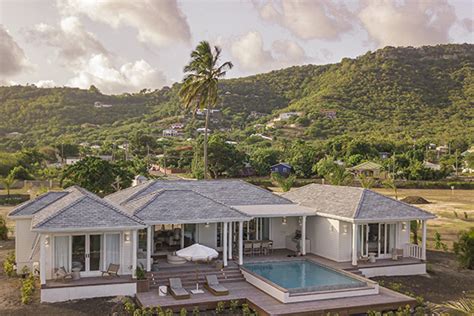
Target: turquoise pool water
x,y
303,275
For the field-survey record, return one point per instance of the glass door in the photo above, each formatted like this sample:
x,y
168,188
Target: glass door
x,y
95,253
78,253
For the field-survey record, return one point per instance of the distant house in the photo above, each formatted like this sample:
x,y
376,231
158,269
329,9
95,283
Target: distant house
x,y
261,136
432,166
202,130
98,104
72,160
14,134
467,152
282,168
255,114
170,133
287,115
177,126
384,155
230,142
369,169
95,147
330,114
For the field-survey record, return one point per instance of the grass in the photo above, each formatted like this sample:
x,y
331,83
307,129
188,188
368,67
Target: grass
x,y
444,204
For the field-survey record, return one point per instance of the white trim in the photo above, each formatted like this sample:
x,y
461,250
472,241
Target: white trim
x,y
303,235
225,245
148,248
134,253
241,243
354,243
42,260
78,231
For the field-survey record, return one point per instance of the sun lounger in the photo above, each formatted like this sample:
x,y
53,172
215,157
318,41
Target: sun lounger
x,y
112,270
177,290
62,275
213,286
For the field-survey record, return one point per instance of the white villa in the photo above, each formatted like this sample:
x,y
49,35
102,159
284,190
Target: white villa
x,y
346,227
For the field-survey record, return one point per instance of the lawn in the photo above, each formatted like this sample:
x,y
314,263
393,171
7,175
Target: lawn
x,y
450,207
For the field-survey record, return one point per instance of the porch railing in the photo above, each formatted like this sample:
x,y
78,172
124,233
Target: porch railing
x,y
413,251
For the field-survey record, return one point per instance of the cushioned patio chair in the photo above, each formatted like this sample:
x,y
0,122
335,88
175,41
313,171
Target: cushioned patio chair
x,y
212,285
397,253
257,248
62,275
112,270
176,289
248,249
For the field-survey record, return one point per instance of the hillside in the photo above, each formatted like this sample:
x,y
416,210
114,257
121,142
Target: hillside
x,y
419,92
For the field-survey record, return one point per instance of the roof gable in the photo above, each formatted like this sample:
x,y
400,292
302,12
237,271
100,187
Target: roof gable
x,y
177,206
367,165
80,209
228,192
354,203
34,205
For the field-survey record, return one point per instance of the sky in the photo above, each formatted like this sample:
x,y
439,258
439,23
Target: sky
x,y
125,46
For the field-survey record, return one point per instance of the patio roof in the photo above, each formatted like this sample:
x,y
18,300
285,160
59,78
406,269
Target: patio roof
x,y
168,206
34,205
80,210
229,192
354,204
276,210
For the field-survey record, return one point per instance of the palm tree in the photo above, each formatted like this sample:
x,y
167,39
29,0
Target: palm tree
x,y
366,182
7,182
338,176
199,88
389,183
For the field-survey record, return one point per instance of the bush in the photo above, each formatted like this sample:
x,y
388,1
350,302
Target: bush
x,y
464,249
9,265
27,289
3,229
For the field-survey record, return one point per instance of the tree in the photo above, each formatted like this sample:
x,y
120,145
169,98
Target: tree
x,y
325,166
96,175
200,84
7,182
302,156
339,176
285,183
464,249
19,172
389,183
262,159
366,182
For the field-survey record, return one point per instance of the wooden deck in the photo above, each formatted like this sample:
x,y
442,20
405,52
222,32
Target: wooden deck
x,y
267,305
88,281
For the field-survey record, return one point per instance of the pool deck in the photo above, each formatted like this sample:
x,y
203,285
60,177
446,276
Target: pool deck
x,y
267,305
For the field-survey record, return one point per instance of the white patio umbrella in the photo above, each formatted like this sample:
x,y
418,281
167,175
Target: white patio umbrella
x,y
197,252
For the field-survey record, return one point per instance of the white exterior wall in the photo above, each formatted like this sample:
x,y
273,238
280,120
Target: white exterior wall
x,y
403,236
24,239
207,235
278,231
324,239
345,241
52,295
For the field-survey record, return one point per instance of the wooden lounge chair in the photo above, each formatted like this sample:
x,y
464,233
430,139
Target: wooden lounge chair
x,y
112,270
257,248
212,285
397,253
62,275
247,248
177,290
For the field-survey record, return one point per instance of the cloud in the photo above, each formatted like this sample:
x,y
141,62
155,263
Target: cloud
x,y
101,72
251,55
160,22
408,23
73,43
45,84
468,24
12,57
308,19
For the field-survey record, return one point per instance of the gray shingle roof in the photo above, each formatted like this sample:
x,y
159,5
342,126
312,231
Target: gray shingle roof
x,y
80,209
229,192
34,205
181,206
354,203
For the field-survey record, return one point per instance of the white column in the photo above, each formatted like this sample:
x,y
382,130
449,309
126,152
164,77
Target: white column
x,y
241,243
257,228
148,248
248,230
182,236
354,244
43,260
423,240
224,248
134,253
303,235
229,250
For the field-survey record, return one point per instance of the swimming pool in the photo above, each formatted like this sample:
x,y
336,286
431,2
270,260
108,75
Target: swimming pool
x,y
300,280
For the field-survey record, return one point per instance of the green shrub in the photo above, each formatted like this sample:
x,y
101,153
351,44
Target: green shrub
x,y
438,243
140,273
464,249
234,305
196,311
9,265
3,229
129,306
183,312
27,289
220,308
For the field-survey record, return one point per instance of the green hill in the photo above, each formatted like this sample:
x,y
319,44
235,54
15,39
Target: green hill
x,y
416,92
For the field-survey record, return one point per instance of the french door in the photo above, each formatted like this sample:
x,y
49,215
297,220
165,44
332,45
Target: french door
x,y
88,253
378,238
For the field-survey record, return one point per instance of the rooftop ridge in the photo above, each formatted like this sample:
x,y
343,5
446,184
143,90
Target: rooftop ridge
x,y
23,205
54,214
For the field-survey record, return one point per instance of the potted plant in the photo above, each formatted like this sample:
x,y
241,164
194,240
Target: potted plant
x,y
143,284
